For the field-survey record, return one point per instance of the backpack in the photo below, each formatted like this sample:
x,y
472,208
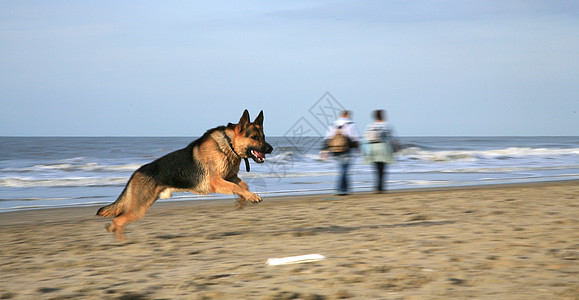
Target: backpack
x,y
339,143
375,135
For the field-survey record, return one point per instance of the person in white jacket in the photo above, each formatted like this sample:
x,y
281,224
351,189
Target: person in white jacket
x,y
346,127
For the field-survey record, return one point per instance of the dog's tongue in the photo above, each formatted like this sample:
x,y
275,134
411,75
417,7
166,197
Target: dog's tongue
x,y
258,154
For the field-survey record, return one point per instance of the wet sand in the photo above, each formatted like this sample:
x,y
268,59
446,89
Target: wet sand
x,y
493,242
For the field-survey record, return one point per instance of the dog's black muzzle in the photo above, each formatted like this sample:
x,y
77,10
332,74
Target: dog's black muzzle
x,y
268,148
258,154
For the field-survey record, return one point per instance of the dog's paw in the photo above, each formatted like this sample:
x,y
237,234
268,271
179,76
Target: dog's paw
x,y
254,198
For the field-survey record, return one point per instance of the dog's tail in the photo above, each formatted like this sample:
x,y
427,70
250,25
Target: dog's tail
x,y
114,209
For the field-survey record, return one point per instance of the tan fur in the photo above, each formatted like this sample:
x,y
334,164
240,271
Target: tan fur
x,y
218,157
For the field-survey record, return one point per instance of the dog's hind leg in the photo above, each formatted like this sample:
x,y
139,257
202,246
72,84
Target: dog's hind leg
x,y
141,193
117,226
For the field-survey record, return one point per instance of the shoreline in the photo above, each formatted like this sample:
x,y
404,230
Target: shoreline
x,y
24,215
284,194
515,241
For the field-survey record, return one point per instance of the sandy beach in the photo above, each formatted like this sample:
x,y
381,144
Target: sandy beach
x,y
484,242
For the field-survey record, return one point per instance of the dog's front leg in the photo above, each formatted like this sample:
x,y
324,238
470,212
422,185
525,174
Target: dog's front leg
x,y
241,202
222,186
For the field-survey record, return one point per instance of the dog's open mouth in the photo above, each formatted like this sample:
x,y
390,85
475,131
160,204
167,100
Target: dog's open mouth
x,y
257,156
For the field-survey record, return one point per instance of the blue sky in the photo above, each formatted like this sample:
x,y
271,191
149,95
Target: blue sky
x,y
177,68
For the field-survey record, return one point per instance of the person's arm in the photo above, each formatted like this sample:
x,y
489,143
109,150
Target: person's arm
x,y
353,135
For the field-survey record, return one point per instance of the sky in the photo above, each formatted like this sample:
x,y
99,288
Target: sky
x,y
178,68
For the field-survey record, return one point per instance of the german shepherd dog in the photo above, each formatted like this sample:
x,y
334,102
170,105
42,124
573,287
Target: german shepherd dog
x,y
208,165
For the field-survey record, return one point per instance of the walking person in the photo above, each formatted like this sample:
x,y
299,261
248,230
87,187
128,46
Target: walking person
x,y
381,144
340,141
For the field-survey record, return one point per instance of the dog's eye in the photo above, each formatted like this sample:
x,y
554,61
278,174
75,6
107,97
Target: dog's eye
x,y
255,137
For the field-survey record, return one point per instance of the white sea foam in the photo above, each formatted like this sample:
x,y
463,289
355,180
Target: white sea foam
x,y
72,171
88,167
17,182
281,158
416,153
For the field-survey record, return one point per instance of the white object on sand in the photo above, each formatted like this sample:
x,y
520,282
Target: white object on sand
x,y
294,259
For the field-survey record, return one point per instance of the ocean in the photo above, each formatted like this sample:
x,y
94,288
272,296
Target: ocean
x,y
47,172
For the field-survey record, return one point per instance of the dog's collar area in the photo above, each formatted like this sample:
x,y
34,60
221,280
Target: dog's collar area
x,y
229,141
233,149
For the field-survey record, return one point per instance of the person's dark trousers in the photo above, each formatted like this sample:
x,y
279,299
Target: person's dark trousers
x,y
382,174
344,163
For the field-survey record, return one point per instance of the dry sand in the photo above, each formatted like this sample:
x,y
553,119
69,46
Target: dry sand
x,y
495,242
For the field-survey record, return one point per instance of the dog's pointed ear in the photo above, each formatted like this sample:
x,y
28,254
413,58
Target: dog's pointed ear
x,y
259,119
244,121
